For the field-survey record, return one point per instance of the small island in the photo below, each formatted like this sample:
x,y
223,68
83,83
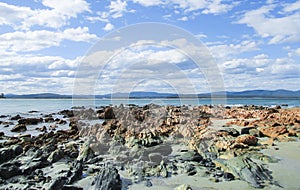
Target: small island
x,y
2,95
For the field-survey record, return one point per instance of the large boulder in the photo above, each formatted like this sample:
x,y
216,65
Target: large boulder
x,y
246,169
30,121
108,113
247,139
108,179
19,128
273,131
10,169
7,154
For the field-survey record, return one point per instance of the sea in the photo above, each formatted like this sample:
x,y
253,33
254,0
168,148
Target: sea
x,y
23,106
38,107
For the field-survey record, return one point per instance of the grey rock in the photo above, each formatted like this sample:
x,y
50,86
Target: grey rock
x,y
231,131
76,173
58,183
246,130
228,176
7,154
16,117
71,187
8,170
30,121
155,157
19,128
246,169
55,156
108,179
191,156
107,114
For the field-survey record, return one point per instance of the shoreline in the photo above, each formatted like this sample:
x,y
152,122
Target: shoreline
x,y
152,146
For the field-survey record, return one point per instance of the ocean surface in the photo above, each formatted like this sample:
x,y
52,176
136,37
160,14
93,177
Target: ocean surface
x,y
23,106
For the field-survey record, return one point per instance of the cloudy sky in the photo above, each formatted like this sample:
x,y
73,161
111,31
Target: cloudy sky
x,y
255,44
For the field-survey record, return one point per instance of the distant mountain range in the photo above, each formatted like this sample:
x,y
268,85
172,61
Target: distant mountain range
x,y
243,94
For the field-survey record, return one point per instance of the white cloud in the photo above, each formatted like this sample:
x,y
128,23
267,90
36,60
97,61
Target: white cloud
x,y
108,27
281,29
117,8
22,74
21,17
292,7
185,18
148,3
225,51
206,6
67,7
40,39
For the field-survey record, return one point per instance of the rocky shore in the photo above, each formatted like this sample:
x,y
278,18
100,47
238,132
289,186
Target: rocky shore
x,y
134,147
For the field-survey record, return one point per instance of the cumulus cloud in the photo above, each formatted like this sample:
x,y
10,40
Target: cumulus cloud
x,y
280,29
117,8
32,73
225,51
21,17
40,39
205,6
108,27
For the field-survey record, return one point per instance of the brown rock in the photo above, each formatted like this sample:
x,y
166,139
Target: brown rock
x,y
30,121
19,128
107,114
247,139
273,131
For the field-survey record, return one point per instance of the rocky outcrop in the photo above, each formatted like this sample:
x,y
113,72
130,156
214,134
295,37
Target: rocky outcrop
x,y
108,179
30,121
19,128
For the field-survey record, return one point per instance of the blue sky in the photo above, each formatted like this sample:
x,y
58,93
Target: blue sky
x,y
255,44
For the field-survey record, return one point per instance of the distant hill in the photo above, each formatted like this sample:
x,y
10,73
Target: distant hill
x,y
41,96
265,94
139,94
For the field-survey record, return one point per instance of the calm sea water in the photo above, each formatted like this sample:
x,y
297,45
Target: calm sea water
x,y
23,106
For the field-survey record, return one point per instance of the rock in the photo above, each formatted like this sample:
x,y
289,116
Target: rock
x,y
231,131
255,132
107,114
228,176
86,153
71,187
155,157
30,121
67,113
148,183
246,169
190,169
55,156
17,117
247,139
2,134
19,128
49,119
58,183
273,131
277,107
108,179
246,130
9,170
7,154
76,173
191,156
183,187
